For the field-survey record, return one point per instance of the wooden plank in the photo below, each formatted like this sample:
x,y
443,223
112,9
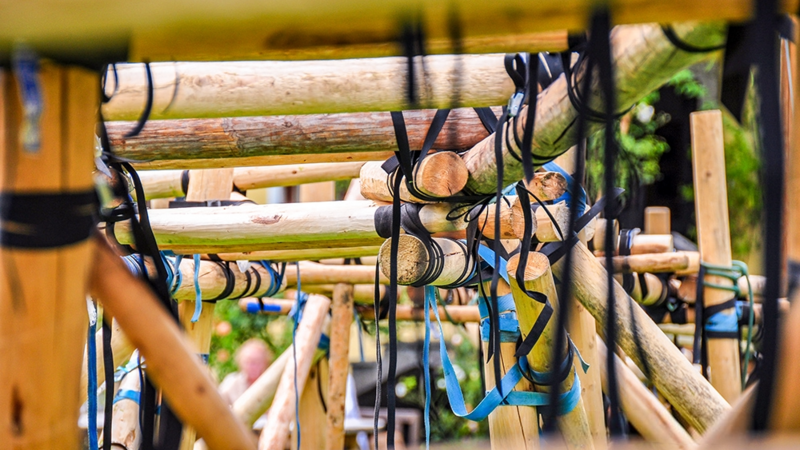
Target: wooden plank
x,y
714,240
174,29
43,293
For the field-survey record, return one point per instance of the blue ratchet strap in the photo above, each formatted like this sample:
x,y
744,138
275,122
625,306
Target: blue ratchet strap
x,y
568,195
198,295
255,308
324,343
127,394
91,368
488,256
509,326
26,70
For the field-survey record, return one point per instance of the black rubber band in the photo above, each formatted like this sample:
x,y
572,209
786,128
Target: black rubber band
x,y
680,44
47,220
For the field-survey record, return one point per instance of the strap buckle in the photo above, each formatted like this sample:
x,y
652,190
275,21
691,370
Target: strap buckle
x,y
515,103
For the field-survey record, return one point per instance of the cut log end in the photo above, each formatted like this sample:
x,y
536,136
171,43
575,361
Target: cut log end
x,y
412,259
537,265
548,185
442,174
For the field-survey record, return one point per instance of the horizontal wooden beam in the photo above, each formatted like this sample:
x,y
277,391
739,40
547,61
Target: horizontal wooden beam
x,y
171,183
265,160
347,135
208,30
268,88
307,254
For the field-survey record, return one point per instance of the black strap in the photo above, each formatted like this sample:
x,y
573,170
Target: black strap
x,y
46,220
673,38
230,281
108,369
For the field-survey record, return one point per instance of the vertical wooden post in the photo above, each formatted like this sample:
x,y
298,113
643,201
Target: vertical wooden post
x,y
324,191
205,184
657,220
341,318
43,318
311,410
510,427
125,429
714,240
282,411
539,278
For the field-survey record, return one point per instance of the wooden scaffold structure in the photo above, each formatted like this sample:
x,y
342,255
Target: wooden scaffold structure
x,y
132,134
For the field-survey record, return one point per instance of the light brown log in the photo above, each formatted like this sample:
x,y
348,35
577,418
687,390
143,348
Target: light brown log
x,y
43,319
315,273
282,411
641,243
714,240
652,262
181,161
574,425
734,424
204,185
274,227
675,378
323,191
268,88
657,220
643,59
642,407
162,183
339,361
549,231
509,426
125,430
171,360
121,348
450,313
307,254
413,260
311,410
440,174
363,294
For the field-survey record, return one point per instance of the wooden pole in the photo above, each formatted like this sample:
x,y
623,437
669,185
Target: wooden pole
x,y
657,220
441,174
183,161
341,319
125,430
311,409
258,397
641,243
315,273
267,88
307,254
649,262
574,425
170,356
413,261
282,411
451,313
170,183
642,407
43,319
645,59
510,427
714,240
207,184
674,377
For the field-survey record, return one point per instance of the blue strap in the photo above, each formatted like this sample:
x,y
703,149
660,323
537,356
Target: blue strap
x,y
509,328
488,256
127,394
91,366
198,295
255,308
505,303
324,342
567,196
722,322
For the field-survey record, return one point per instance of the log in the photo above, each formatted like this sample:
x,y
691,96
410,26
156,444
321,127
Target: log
x,y
657,220
171,360
180,161
441,174
307,254
341,319
274,227
674,377
170,183
125,430
714,240
734,425
644,60
363,294
510,427
314,273
204,185
651,263
311,410
269,88
413,261
43,320
258,397
574,425
451,313
641,244
282,411
642,408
